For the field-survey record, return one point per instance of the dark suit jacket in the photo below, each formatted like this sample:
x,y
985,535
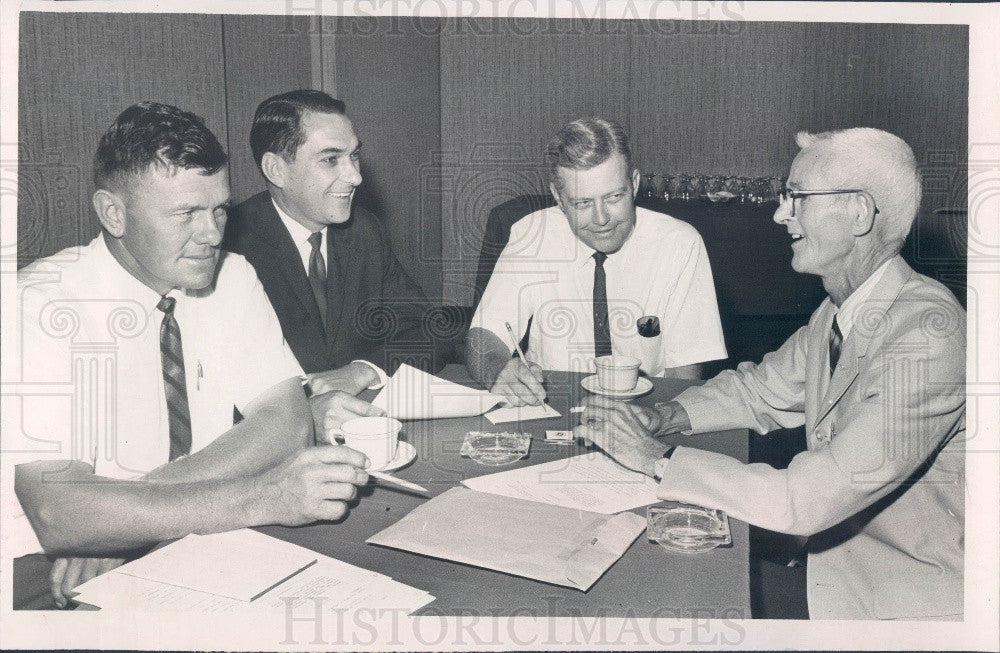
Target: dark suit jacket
x,y
375,311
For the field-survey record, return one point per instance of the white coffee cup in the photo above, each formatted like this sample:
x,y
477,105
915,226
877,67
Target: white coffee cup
x,y
617,373
375,437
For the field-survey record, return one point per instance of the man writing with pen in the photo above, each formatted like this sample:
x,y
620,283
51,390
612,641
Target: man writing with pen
x,y
588,272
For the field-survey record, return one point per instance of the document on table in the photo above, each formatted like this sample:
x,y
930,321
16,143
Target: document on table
x,y
339,585
591,481
240,564
521,413
548,543
415,394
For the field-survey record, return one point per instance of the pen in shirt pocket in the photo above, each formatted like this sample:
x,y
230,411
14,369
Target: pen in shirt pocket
x,y
201,375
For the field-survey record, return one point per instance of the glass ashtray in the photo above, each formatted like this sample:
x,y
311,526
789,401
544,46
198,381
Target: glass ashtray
x,y
495,449
686,528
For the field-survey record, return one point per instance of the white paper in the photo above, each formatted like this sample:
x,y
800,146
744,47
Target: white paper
x,y
550,543
415,394
521,413
240,564
338,585
592,482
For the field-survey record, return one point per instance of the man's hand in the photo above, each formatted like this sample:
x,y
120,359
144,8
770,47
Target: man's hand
x,y
521,384
351,378
68,573
332,409
623,431
311,485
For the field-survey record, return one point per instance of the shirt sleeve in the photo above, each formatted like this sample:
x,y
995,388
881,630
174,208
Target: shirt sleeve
x,y
508,296
268,360
690,320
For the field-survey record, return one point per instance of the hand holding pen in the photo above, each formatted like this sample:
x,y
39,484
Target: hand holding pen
x,y
520,381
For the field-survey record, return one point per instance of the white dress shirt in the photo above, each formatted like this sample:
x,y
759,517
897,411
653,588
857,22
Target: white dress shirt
x,y
300,236
90,361
661,270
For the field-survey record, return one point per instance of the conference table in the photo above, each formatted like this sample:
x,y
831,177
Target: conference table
x,y
648,580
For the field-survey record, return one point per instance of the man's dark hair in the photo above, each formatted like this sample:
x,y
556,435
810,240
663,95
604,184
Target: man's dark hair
x,y
277,123
153,134
585,143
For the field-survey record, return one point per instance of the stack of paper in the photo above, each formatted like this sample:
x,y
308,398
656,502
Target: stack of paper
x,y
592,482
243,571
415,394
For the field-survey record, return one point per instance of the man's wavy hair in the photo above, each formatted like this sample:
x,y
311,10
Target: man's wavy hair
x,y
585,143
153,134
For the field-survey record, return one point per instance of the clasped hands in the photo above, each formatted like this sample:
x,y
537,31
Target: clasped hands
x,y
627,432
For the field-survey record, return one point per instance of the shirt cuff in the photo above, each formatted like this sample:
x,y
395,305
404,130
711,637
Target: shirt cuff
x,y
382,377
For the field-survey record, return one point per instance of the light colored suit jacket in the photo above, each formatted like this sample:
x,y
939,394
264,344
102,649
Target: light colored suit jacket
x,y
880,490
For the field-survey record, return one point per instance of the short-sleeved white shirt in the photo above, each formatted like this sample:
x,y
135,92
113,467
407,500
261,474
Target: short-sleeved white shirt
x,y
89,342
662,270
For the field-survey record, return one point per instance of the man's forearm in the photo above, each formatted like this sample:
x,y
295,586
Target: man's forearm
x,y
83,514
485,356
673,418
276,424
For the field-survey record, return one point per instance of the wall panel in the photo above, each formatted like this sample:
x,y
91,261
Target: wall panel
x,y
264,55
388,73
77,71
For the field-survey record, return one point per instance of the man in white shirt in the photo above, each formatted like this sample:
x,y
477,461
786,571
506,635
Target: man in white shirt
x,y
587,271
152,343
877,377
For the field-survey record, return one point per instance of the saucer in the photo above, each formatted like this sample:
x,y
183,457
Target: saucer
x,y
406,453
590,384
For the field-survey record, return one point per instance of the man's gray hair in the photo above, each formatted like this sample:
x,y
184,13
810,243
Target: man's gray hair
x,y
878,162
585,143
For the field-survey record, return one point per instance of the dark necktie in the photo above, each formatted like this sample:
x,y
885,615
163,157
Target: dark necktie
x,y
317,273
602,331
836,340
172,360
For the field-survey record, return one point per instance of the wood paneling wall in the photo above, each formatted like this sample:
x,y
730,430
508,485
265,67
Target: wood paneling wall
x,y
388,73
264,56
711,98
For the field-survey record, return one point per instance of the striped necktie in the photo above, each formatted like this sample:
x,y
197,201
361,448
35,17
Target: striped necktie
x,y
317,274
836,340
172,360
602,330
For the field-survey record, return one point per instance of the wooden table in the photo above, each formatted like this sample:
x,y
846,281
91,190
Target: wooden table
x,y
647,581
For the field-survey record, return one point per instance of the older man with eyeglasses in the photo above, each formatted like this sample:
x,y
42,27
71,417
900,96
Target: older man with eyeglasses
x,y
877,377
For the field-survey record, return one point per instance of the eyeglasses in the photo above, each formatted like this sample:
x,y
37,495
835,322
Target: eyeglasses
x,y
793,194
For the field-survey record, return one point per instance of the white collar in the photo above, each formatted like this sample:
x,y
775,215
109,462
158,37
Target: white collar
x,y
300,234
848,311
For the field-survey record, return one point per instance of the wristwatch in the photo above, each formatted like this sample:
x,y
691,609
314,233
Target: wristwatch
x,y
661,465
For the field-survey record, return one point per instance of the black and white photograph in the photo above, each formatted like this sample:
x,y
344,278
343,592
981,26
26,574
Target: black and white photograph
x,y
538,325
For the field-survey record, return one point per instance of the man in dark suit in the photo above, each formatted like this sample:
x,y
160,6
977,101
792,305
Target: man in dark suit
x,y
340,293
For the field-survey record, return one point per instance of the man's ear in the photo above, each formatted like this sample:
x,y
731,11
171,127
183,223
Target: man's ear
x,y
275,168
555,195
863,216
636,177
110,209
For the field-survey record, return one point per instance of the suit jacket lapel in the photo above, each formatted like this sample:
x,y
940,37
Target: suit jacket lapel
x,y
334,285
288,260
870,322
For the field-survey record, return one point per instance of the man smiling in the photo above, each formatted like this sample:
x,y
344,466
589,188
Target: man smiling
x,y
584,272
341,295
877,377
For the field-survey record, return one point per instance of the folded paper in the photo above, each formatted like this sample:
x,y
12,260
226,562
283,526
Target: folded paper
x,y
415,394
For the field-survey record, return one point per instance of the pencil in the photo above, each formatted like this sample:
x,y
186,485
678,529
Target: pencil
x,y
517,345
